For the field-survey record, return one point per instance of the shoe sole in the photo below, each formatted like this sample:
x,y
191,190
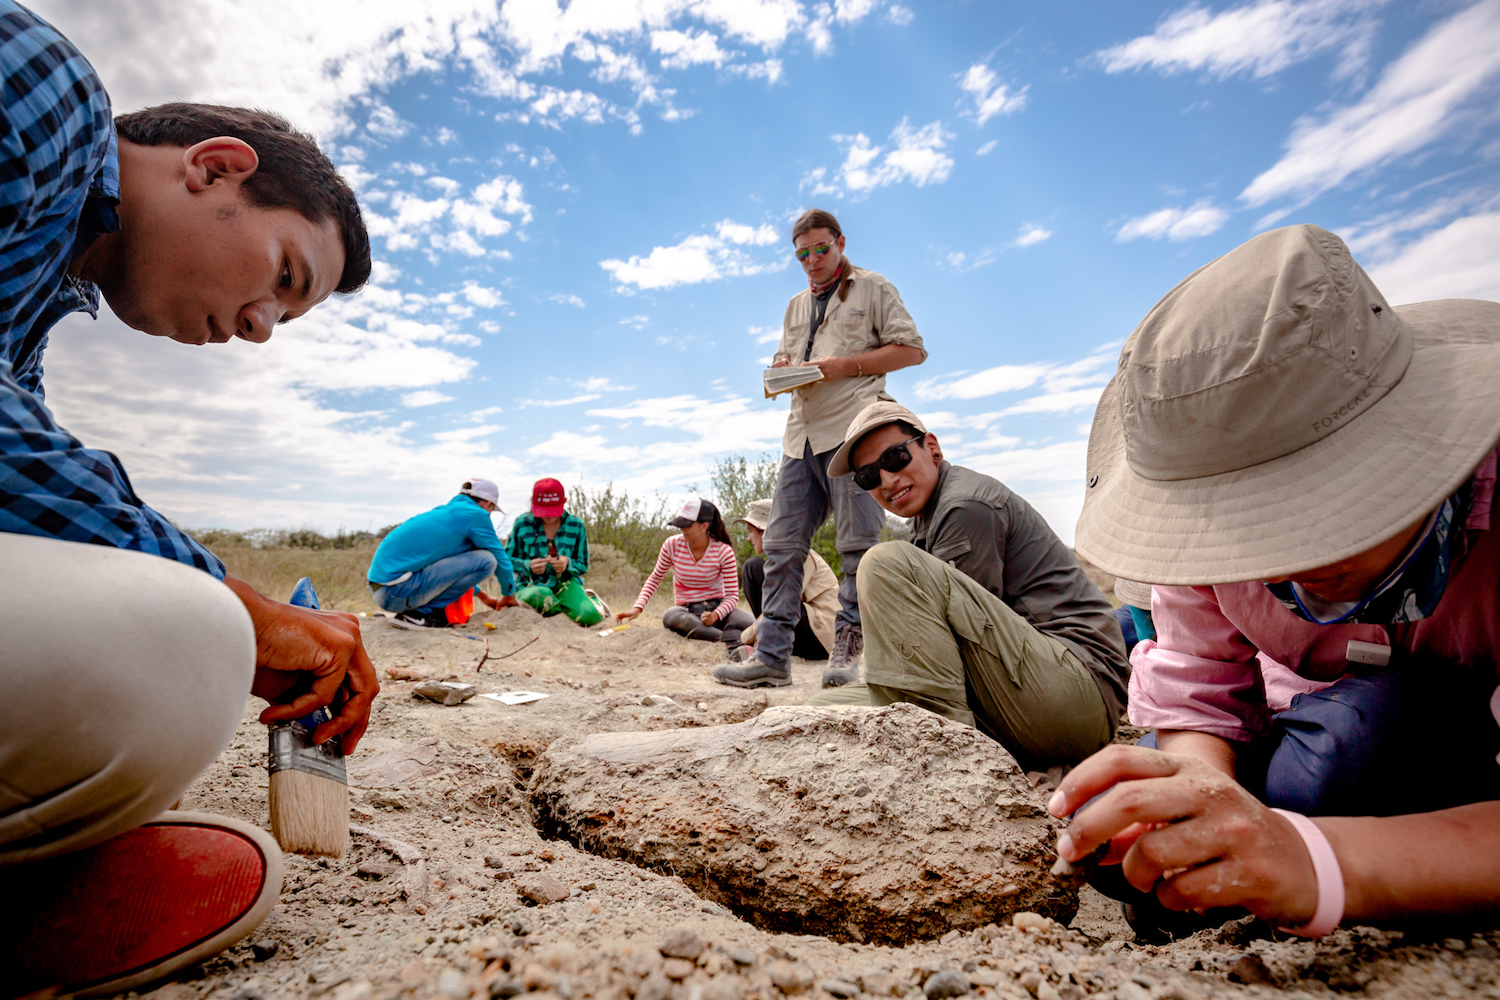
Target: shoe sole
x,y
273,871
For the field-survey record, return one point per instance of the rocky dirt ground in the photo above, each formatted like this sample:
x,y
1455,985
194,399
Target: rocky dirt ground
x,y
449,891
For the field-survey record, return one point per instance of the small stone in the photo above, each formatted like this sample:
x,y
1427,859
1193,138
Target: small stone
x,y
862,790
264,948
246,993
1047,991
839,988
1070,992
1252,971
1026,920
741,956
1454,944
1177,991
504,989
790,977
449,819
541,888
453,984
880,983
677,968
680,942
658,701
1031,982
1132,991
948,983
546,854
445,692
561,957
490,861
654,987
537,977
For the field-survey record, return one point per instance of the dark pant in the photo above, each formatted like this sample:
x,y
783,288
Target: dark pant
x,y
805,642
688,620
805,494
1380,744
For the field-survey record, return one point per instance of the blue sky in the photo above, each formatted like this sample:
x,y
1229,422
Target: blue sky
x,y
581,220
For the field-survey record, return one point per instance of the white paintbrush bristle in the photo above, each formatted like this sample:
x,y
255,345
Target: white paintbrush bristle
x,y
309,813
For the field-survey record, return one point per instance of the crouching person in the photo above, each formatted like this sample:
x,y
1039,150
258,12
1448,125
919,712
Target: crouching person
x,y
985,616
1313,471
429,561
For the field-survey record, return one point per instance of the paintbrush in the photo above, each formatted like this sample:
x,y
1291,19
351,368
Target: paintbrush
x,y
309,797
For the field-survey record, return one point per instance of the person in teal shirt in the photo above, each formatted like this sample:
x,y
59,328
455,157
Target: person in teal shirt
x,y
429,561
549,549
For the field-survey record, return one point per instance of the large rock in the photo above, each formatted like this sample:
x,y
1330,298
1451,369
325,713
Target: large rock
x,y
879,825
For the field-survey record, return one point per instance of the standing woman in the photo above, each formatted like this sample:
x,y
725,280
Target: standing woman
x,y
705,578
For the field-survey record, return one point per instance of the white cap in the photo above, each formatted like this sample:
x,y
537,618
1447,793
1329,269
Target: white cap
x,y
482,489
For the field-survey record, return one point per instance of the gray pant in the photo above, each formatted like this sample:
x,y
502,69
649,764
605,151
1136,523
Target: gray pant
x,y
109,708
935,638
804,495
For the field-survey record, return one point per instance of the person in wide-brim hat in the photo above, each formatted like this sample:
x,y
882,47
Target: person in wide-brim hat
x,y
1306,474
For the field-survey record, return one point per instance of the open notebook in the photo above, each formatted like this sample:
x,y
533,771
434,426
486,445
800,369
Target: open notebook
x,y
789,377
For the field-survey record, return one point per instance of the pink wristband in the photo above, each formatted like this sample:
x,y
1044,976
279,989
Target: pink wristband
x,y
1330,909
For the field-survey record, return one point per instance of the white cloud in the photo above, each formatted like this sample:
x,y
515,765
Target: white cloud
x,y
1066,401
384,123
988,95
321,72
766,334
1057,378
484,298
1199,219
566,300
1032,234
685,48
899,15
1258,39
601,384
705,257
472,218
751,425
917,156
1459,261
639,322
587,397
424,397
1439,84
987,148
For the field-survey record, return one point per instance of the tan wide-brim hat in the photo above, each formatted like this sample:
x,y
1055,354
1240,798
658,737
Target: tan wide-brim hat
x,y
1133,592
757,514
1273,414
877,414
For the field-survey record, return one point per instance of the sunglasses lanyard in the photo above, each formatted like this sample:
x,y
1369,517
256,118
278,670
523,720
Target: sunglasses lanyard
x,y
816,322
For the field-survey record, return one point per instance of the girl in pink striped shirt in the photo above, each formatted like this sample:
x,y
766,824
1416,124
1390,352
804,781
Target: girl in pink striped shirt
x,y
705,578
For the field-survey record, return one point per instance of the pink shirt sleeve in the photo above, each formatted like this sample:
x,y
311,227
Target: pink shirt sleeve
x,y
663,563
1200,672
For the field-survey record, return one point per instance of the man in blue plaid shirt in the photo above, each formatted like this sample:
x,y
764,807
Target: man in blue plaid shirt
x,y
200,224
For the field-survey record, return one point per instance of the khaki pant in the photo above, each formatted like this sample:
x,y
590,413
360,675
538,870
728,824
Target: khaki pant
x,y
935,638
122,677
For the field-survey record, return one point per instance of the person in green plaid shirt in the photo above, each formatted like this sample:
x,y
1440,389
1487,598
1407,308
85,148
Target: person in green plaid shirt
x,y
549,551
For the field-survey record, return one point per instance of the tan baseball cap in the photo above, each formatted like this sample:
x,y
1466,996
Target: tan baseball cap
x,y
877,414
1274,413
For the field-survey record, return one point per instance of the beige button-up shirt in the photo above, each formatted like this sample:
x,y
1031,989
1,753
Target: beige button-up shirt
x,y
872,316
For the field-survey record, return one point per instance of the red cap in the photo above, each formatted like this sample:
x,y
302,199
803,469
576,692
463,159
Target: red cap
x,y
547,498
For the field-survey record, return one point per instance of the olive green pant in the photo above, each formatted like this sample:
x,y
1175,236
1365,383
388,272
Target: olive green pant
x,y
935,638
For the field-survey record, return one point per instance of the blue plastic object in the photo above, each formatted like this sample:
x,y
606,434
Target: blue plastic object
x,y
304,596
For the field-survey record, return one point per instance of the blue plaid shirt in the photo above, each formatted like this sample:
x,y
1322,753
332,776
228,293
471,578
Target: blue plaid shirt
x,y
59,185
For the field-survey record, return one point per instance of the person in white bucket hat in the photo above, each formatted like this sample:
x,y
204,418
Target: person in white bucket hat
x,y
1307,474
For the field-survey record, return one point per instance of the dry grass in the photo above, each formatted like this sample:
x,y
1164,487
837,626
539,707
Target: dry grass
x,y
338,575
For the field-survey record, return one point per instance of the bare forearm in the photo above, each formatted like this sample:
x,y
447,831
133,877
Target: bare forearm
x,y
1218,753
1444,862
889,358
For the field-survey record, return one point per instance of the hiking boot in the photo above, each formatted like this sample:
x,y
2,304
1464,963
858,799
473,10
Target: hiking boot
x,y
738,654
417,620
754,673
843,664
141,906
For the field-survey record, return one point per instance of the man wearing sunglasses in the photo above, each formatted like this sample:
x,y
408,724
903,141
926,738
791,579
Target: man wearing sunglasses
x,y
985,617
852,325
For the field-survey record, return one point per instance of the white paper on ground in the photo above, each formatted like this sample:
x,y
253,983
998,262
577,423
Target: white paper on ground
x,y
515,697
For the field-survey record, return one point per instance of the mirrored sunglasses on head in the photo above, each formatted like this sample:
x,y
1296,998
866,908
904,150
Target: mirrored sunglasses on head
x,y
821,249
893,459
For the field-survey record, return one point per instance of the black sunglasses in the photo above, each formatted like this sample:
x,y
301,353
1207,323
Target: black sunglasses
x,y
893,459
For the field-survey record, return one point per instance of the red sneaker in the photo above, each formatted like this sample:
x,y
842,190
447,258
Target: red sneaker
x,y
135,908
